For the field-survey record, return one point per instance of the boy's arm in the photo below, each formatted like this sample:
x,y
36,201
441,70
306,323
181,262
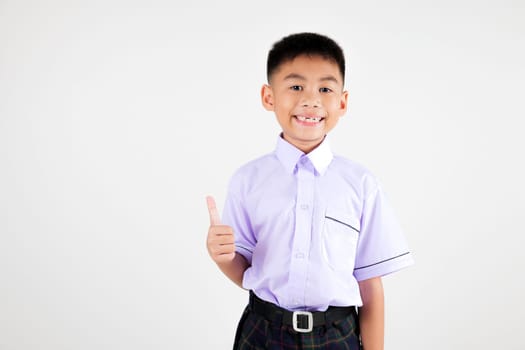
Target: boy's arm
x,y
235,268
221,246
371,314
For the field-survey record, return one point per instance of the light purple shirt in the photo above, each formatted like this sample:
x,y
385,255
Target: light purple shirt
x,y
311,226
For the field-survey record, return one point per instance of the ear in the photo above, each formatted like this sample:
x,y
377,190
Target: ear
x,y
267,97
343,103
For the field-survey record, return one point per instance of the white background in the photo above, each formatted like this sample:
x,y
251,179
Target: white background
x,y
117,118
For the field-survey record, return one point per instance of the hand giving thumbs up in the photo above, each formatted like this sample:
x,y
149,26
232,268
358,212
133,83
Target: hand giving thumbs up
x,y
221,241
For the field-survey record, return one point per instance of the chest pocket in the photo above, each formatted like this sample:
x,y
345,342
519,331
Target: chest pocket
x,y
339,241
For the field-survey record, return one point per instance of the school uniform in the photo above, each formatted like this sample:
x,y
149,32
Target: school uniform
x,y
311,226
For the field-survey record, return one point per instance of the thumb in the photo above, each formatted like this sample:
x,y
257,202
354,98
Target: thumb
x,y
215,218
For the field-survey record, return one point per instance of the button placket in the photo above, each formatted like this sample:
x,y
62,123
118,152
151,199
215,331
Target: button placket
x,y
303,230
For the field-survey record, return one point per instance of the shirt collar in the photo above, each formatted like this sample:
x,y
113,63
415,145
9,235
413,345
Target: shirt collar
x,y
289,155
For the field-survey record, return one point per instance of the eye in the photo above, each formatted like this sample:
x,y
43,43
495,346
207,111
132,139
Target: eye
x,y
296,88
325,90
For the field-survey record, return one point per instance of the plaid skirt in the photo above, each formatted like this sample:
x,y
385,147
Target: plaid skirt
x,y
254,332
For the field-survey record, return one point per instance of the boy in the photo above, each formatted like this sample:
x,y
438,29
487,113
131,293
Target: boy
x,y
309,233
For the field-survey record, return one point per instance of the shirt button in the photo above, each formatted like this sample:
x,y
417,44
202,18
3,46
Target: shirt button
x,y
304,206
299,255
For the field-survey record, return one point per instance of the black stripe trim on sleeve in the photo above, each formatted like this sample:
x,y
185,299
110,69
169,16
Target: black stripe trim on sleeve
x,y
243,248
342,223
377,263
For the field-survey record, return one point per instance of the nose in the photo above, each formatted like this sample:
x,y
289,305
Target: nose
x,y
311,99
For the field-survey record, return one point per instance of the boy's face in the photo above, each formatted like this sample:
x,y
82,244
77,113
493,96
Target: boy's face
x,y
306,94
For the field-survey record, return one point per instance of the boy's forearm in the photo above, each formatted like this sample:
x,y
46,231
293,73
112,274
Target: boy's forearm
x,y
372,314
234,269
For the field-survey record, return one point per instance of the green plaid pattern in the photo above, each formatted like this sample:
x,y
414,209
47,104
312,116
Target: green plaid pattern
x,y
256,333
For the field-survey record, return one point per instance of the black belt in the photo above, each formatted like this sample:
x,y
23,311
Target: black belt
x,y
301,321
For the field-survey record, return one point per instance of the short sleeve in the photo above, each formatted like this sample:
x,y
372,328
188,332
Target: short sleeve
x,y
235,215
382,247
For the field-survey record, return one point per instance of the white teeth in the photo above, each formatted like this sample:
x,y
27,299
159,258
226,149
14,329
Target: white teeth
x,y
309,119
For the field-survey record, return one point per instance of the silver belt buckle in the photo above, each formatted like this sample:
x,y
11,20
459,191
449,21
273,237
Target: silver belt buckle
x,y
310,319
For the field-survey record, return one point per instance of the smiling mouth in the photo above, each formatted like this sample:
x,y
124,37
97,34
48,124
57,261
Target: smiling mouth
x,y
309,120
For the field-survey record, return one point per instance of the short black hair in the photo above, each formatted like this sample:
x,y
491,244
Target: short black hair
x,y
310,44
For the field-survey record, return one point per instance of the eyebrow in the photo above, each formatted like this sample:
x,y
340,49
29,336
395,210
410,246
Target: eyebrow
x,y
300,77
